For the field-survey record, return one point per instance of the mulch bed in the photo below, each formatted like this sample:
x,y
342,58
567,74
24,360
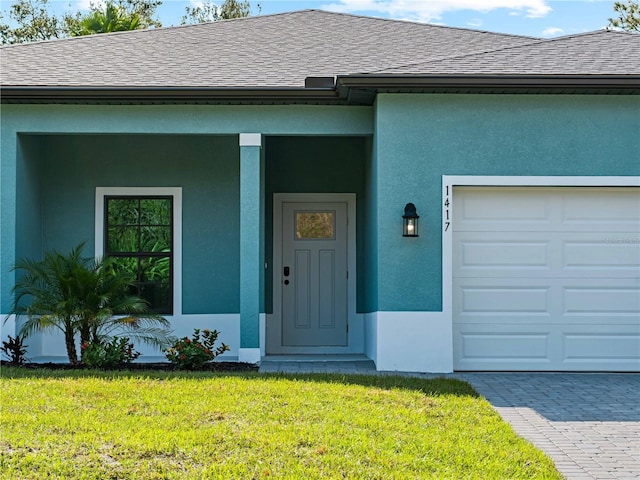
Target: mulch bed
x,y
162,366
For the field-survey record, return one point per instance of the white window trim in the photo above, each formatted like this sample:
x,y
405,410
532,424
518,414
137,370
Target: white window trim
x,y
451,181
176,193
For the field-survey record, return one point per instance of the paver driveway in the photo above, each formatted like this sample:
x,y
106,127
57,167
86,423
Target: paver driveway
x,y
589,424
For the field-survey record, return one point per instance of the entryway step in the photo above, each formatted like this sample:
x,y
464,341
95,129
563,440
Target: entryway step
x,y
317,364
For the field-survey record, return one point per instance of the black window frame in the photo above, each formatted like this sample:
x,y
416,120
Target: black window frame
x,y
140,254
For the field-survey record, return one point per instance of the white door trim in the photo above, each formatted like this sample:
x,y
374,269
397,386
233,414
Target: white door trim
x,y
274,324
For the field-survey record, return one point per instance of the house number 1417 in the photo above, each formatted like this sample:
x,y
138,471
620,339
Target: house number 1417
x,y
447,204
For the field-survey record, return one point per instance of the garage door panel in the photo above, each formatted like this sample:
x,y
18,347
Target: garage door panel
x,y
618,255
584,346
602,301
546,300
499,300
546,254
494,345
555,289
604,210
530,347
601,207
483,208
502,253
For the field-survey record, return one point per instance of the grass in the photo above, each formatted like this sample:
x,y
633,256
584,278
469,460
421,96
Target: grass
x,y
164,425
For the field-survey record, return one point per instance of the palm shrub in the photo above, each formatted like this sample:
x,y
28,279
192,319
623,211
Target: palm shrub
x,y
117,352
82,296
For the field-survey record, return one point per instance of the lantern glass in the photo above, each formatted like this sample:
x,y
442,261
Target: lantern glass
x,y
410,221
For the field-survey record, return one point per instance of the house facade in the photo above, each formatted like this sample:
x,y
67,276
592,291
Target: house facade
x,y
270,160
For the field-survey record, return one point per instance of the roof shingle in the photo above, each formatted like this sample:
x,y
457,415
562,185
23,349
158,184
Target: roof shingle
x,y
603,52
255,52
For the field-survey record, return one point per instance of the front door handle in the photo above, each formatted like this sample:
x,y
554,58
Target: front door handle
x,y
286,271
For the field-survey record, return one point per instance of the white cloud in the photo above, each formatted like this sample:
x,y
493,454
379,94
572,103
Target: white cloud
x,y
475,22
85,4
551,31
430,10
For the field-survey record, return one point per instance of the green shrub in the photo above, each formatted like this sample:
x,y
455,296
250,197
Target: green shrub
x,y
118,352
193,353
82,296
15,350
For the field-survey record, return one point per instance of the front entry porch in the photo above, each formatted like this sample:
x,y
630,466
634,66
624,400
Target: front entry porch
x,y
315,201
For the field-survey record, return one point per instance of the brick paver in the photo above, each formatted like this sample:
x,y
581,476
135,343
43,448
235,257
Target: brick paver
x,y
589,424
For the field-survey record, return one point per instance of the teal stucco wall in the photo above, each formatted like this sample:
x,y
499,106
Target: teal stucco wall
x,y
53,157
419,138
206,167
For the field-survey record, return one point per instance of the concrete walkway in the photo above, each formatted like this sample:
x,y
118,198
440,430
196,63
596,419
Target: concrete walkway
x,y
589,424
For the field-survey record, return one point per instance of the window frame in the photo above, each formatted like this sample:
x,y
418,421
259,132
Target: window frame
x,y
143,254
102,193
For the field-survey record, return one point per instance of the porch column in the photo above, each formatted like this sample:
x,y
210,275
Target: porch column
x,y
250,240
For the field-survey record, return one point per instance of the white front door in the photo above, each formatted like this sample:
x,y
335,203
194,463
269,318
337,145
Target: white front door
x,y
314,274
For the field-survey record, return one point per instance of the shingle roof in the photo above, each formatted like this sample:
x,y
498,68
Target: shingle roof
x,y
602,52
259,52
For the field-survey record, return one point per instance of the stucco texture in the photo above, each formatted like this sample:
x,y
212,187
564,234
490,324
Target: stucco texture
x,y
419,138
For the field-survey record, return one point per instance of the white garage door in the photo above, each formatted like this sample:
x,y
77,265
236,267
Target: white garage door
x,y
546,278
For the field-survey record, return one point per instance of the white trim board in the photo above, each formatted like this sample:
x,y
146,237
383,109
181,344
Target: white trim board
x,y
176,193
410,341
356,335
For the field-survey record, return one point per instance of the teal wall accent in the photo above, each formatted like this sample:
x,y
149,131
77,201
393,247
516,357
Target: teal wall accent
x,y
43,120
317,165
29,208
419,138
206,167
188,119
250,241
371,230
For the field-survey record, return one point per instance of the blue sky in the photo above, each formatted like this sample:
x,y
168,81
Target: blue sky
x,y
539,18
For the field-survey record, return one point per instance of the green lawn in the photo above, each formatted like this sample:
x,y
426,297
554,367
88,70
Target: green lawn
x,y
96,425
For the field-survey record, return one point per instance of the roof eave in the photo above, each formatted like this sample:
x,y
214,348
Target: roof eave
x,y
624,84
357,89
46,94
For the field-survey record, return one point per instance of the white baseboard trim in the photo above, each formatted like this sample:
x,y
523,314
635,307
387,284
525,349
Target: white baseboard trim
x,y
249,355
263,334
410,341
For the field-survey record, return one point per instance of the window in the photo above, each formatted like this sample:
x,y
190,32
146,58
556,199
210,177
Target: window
x,y
138,234
315,225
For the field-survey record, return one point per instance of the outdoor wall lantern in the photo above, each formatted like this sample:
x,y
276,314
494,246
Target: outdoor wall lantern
x,y
410,221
